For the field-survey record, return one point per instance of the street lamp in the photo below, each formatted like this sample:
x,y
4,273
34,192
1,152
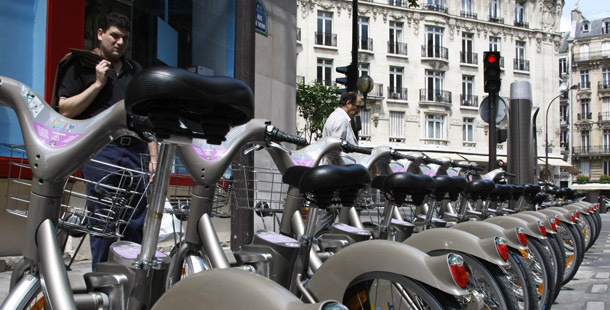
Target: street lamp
x,y
564,90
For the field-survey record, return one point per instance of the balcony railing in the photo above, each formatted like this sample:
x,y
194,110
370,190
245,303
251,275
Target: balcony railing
x,y
434,51
592,55
397,93
604,116
585,85
584,116
326,38
377,90
521,64
434,95
435,7
468,14
495,19
365,44
605,85
300,79
403,3
469,58
397,48
522,24
469,100
592,150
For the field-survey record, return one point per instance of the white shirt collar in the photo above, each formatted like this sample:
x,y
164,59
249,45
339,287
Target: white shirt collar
x,y
349,119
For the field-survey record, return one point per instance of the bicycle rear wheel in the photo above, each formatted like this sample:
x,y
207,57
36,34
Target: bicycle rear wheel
x,y
574,250
383,290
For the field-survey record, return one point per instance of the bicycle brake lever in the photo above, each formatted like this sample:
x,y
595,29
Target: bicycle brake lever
x,y
281,147
256,147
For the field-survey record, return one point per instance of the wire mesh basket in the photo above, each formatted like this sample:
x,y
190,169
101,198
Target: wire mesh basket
x,y
244,187
115,196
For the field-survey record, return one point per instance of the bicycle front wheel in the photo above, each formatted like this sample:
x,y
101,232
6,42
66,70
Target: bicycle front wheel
x,y
383,290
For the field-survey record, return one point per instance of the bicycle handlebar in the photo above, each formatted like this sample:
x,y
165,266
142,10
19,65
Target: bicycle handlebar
x,y
276,135
398,155
430,160
351,148
468,166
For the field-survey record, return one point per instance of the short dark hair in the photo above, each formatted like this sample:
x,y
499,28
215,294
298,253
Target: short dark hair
x,y
115,19
350,96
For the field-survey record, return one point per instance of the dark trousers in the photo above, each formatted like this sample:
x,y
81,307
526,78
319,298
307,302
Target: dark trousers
x,y
127,157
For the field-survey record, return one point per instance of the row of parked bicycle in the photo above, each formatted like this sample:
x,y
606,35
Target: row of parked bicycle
x,y
450,240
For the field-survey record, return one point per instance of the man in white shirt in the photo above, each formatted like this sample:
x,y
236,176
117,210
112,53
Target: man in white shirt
x,y
338,124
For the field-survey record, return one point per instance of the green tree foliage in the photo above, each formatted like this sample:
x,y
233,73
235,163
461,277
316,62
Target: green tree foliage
x,y
315,102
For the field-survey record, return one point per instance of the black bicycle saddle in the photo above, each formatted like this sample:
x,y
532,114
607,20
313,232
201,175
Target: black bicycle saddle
x,y
518,191
179,102
401,184
452,185
326,178
479,189
501,193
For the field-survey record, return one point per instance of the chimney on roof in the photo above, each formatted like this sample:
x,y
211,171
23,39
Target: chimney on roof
x,y
576,17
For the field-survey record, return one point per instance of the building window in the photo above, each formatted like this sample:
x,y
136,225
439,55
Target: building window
x,y
396,45
468,57
494,44
494,8
364,68
564,140
435,126
606,49
606,78
468,130
584,79
521,63
520,14
606,27
325,69
584,109
324,35
606,140
585,167
584,52
606,108
586,26
395,90
434,43
366,43
563,66
467,9
606,168
584,141
564,113
397,124
365,118
468,98
434,85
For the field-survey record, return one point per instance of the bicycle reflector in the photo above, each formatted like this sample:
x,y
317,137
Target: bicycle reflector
x,y
573,216
501,247
553,226
542,228
557,220
577,214
521,235
458,270
491,72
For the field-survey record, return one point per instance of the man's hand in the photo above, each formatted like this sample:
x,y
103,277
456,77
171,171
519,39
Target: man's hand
x,y
101,72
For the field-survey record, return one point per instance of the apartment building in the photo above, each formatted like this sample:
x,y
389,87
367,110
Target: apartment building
x,y
427,65
588,63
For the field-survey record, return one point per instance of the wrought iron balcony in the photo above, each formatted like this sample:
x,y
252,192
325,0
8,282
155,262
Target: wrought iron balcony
x,y
521,64
397,93
604,116
435,7
522,24
300,79
469,100
468,14
434,51
326,38
434,95
592,55
377,90
402,3
584,116
603,86
592,150
397,48
365,44
469,58
495,19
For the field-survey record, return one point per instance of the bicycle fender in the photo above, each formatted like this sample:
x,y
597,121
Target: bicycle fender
x,y
534,218
447,239
529,228
563,214
341,269
229,289
489,230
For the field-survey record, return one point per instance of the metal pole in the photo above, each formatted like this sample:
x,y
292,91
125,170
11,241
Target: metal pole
x,y
352,77
492,131
546,140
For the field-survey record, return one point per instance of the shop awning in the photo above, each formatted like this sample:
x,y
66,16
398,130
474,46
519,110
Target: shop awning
x,y
558,162
590,186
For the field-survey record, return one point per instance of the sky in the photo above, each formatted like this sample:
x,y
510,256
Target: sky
x,y
591,9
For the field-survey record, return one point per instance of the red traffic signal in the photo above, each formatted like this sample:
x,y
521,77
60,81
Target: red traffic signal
x,y
491,72
491,58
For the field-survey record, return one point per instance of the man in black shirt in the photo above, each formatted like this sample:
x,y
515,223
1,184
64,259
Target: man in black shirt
x,y
85,92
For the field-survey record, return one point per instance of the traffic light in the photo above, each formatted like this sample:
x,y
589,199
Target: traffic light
x,y
491,72
351,76
501,134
